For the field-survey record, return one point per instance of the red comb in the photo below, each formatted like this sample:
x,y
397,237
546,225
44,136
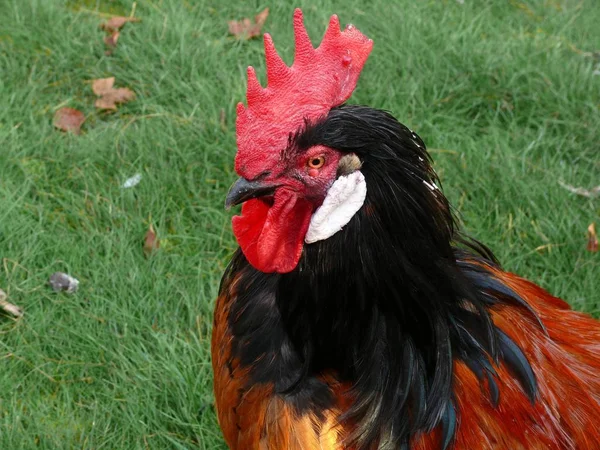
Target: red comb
x,y
319,80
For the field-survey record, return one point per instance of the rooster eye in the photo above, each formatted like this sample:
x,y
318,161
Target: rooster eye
x,y
316,163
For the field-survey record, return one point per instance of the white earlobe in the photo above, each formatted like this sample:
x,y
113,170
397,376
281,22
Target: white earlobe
x,y
344,198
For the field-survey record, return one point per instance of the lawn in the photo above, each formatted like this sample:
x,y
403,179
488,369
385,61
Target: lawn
x,y
503,93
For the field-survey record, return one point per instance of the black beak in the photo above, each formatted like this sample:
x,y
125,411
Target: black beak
x,y
243,190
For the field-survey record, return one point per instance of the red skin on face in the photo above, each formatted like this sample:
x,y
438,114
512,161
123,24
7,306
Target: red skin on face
x,y
272,236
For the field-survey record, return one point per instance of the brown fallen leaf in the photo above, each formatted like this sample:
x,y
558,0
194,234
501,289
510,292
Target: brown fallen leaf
x,y
9,307
102,86
592,245
111,42
69,119
110,100
151,242
245,28
116,23
110,96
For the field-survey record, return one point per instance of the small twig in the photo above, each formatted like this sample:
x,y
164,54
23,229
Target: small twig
x,y
133,7
581,52
589,193
548,247
164,28
9,307
15,264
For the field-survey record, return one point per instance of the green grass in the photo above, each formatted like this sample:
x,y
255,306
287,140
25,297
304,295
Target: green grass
x,y
502,94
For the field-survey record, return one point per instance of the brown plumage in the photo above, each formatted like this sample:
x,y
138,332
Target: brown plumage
x,y
566,361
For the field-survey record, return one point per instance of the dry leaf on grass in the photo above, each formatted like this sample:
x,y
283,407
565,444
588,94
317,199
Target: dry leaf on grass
x,y
69,119
116,23
151,242
110,96
592,245
111,41
112,27
110,100
245,28
102,86
9,307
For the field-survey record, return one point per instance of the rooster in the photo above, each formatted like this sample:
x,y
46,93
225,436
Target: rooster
x,y
355,315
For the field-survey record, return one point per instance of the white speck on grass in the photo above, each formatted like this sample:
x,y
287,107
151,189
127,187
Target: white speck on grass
x,y
133,181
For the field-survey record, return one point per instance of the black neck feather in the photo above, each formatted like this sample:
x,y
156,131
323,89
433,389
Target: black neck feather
x,y
387,304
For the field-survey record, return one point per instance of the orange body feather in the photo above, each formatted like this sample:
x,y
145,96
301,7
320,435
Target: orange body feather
x,y
566,362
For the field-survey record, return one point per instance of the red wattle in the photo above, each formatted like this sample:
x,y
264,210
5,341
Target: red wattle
x,y
272,237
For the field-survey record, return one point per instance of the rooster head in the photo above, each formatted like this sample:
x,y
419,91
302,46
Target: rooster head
x,y
294,194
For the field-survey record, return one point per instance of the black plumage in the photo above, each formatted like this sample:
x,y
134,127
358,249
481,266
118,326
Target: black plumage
x,y
362,304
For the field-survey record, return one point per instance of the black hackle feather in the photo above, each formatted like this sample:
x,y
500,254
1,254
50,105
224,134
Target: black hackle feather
x,y
448,425
517,362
